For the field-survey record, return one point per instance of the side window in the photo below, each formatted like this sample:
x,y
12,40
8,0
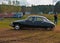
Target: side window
x,y
39,19
31,18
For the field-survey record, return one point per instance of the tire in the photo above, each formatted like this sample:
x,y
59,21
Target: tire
x,y
50,29
17,27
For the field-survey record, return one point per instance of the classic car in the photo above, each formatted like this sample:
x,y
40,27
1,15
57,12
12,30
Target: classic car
x,y
33,21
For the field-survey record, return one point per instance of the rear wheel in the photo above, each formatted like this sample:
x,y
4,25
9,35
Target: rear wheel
x,y
50,29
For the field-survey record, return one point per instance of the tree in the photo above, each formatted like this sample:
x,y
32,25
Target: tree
x,y
9,2
41,8
57,7
9,8
0,9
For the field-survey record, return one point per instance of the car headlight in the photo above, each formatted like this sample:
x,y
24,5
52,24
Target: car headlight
x,y
11,24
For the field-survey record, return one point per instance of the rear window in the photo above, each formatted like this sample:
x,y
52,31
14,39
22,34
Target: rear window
x,y
39,19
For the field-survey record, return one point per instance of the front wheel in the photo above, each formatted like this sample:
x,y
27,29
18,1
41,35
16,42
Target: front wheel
x,y
17,27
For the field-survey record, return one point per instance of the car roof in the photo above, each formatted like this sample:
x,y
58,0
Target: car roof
x,y
37,16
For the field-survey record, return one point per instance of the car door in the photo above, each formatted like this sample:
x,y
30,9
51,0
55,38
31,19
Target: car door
x,y
30,21
39,21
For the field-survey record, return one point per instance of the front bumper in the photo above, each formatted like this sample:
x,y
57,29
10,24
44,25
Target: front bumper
x,y
11,25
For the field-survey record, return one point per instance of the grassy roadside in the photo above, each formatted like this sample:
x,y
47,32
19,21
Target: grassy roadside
x,y
6,21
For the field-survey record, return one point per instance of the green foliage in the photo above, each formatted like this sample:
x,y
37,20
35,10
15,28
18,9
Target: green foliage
x,y
42,8
9,8
57,7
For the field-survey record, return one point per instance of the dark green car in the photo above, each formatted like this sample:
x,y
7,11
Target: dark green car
x,y
33,21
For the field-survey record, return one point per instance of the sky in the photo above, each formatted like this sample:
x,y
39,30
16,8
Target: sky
x,y
34,2
40,2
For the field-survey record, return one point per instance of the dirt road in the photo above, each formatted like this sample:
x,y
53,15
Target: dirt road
x,y
29,36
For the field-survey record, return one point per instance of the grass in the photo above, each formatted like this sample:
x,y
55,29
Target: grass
x,y
6,21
